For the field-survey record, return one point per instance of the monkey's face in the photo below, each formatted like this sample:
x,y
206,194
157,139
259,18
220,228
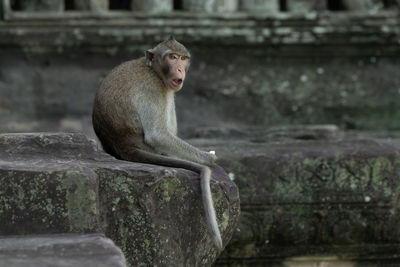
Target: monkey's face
x,y
170,65
174,66
170,60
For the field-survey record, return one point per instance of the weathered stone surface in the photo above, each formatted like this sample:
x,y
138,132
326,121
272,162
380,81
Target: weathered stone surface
x,y
348,92
45,189
51,92
93,250
265,134
330,200
320,33
54,183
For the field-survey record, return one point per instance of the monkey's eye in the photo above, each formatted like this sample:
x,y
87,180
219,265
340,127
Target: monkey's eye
x,y
184,57
173,56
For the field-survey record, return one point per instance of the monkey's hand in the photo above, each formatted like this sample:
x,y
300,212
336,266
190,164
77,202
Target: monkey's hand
x,y
213,156
209,158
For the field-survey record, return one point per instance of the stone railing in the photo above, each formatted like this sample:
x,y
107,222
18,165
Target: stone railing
x,y
364,27
288,34
12,8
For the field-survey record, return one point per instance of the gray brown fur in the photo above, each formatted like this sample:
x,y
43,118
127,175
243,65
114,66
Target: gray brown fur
x,y
134,119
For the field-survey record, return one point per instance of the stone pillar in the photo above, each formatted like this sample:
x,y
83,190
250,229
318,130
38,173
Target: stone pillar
x,y
260,5
211,5
358,4
42,5
5,9
96,5
153,6
304,6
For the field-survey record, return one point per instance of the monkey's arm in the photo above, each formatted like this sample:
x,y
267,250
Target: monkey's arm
x,y
165,142
159,137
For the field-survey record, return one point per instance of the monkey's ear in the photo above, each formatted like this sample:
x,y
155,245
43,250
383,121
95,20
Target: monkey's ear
x,y
149,57
171,37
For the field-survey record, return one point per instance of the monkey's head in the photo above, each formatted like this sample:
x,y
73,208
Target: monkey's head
x,y
170,60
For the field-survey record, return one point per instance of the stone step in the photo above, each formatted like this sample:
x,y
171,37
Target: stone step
x,y
60,250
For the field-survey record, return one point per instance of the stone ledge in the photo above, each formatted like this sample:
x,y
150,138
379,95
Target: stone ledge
x,y
331,198
61,183
128,31
93,250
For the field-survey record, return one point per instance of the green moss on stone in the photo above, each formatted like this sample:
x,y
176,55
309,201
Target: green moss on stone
x,y
169,188
225,221
127,223
50,201
80,202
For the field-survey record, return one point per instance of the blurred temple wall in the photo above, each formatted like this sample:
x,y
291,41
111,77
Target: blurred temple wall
x,y
254,62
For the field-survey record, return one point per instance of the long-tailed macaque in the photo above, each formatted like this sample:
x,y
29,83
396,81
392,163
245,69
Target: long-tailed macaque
x,y
134,117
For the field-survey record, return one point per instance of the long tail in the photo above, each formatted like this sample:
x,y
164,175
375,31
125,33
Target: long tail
x,y
205,176
209,207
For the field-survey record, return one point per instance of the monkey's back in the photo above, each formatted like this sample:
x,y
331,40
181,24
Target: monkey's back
x,y
115,118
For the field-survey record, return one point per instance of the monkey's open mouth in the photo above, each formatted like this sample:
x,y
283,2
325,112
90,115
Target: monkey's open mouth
x,y
177,82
